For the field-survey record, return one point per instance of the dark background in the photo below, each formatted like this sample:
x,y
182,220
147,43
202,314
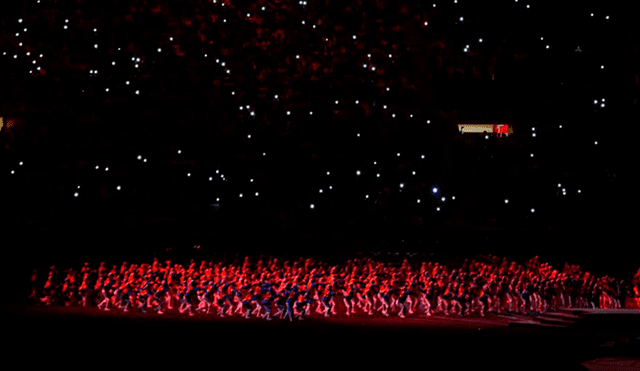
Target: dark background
x,y
70,125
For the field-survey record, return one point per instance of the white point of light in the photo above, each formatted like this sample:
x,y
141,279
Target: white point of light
x,y
256,193
313,206
373,68
78,187
413,173
336,102
297,57
527,6
171,39
374,162
139,157
249,136
357,102
393,115
480,40
118,188
579,191
113,63
137,92
506,201
65,27
145,160
418,200
596,143
385,106
97,167
217,199
532,155
560,126
377,175
210,178
387,89
217,171
437,208
251,180
547,46
311,113
366,196
422,157
435,190
240,194
288,113
443,199
533,210
127,82
107,90
354,37
425,23
75,194
389,55
330,187
320,191
264,154
428,121
401,185
453,197
486,137
607,17
96,46
358,135
358,172
19,20
602,105
327,173
12,171
188,174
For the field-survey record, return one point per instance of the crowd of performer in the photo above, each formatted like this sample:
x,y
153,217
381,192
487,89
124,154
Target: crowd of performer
x,y
296,289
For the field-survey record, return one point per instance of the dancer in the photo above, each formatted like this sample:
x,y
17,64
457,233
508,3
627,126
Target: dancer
x,y
348,297
384,296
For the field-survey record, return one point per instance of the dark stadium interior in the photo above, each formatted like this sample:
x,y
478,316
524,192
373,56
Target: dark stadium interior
x,y
176,129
